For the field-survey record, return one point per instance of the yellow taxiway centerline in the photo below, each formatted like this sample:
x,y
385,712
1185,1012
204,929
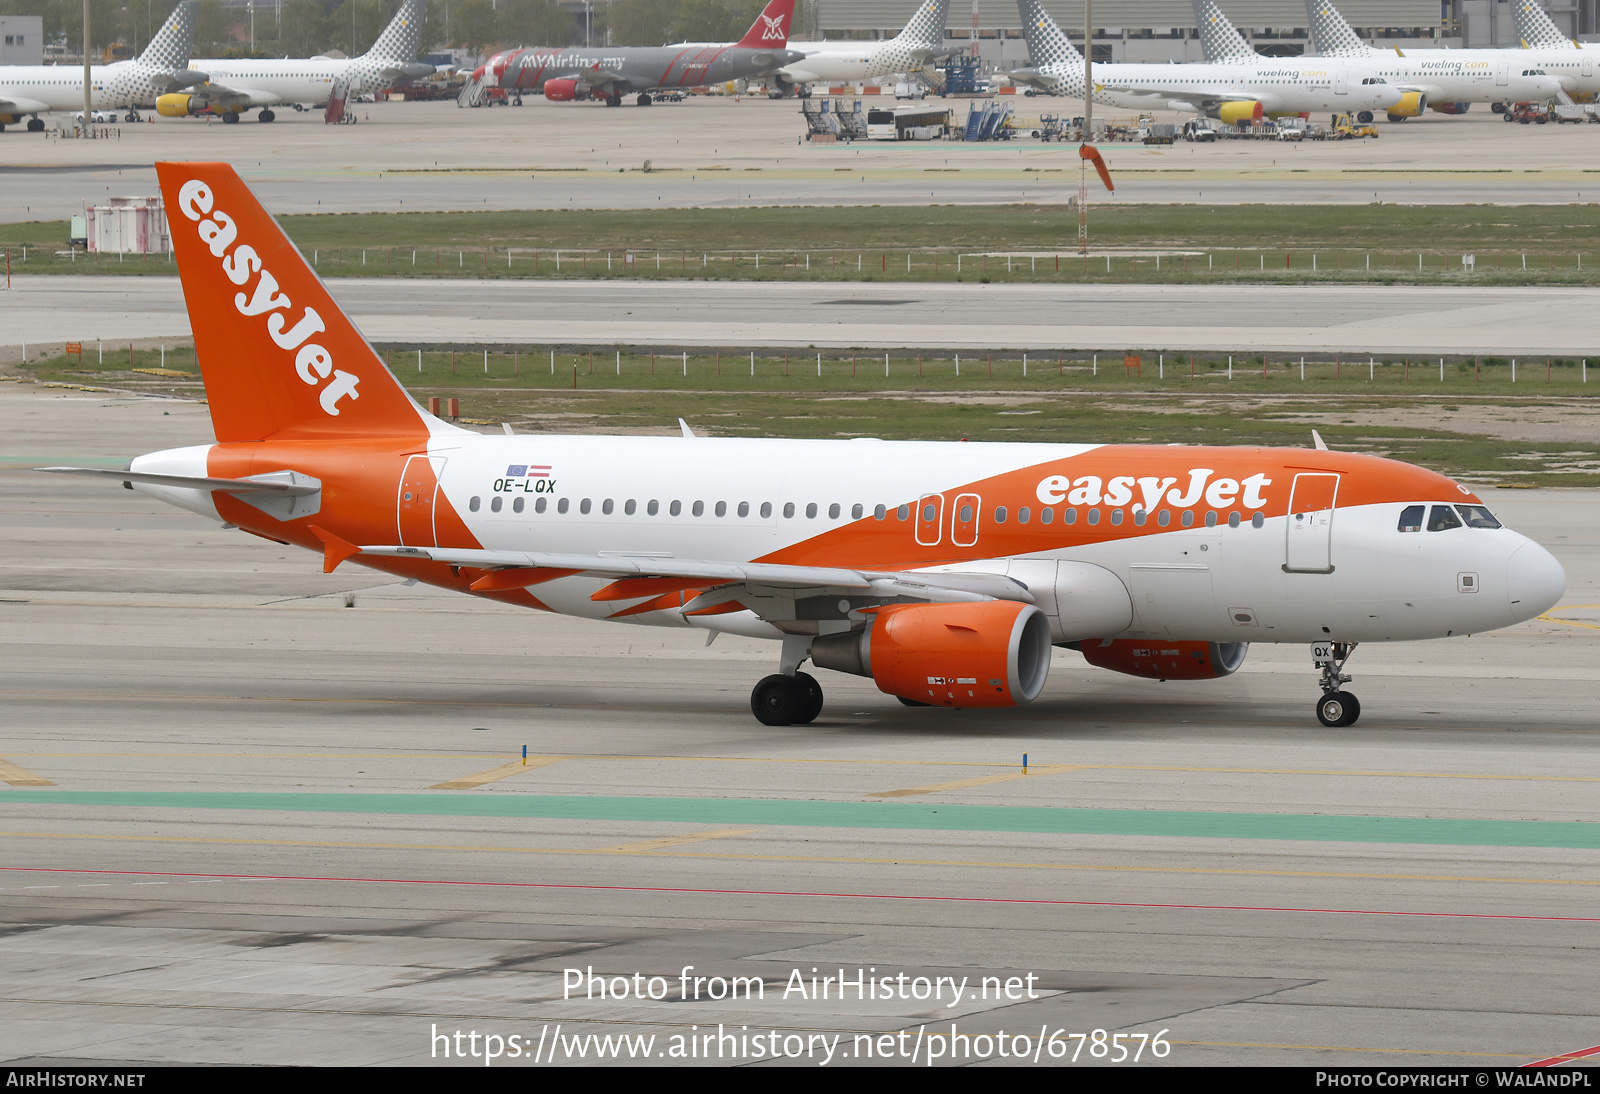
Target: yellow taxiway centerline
x,y
18,776
934,788
672,841
644,848
495,774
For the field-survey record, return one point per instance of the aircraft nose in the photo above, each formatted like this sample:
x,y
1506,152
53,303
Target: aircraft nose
x,y
1535,581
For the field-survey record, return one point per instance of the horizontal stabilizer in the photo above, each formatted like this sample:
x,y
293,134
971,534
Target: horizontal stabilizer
x,y
283,483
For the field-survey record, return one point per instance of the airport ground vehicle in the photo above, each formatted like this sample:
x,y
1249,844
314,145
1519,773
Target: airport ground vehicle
x,y
946,572
1526,113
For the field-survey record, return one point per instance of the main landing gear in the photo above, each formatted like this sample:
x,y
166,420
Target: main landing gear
x,y
613,100
780,700
1335,708
644,100
265,116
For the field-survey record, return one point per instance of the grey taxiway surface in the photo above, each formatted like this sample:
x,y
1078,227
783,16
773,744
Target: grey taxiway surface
x,y
190,669
718,152
48,310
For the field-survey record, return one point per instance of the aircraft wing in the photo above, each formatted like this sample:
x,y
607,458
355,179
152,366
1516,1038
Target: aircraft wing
x,y
16,104
226,96
723,582
1198,98
177,81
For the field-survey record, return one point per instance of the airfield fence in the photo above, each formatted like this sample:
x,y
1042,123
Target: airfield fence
x,y
1512,267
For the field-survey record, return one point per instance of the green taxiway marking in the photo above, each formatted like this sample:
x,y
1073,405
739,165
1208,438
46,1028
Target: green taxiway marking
x,y
901,815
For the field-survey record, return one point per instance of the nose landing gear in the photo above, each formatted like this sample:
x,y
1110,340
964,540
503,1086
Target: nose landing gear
x,y
1335,708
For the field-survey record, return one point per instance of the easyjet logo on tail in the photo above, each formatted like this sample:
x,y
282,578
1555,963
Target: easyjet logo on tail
x,y
312,363
1155,490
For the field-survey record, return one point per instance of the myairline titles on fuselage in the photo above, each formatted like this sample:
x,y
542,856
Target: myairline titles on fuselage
x,y
565,75
943,571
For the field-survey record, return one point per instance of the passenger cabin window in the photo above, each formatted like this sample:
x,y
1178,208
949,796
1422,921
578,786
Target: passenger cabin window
x,y
628,507
856,511
563,504
744,509
583,507
516,505
1476,516
766,510
539,504
473,504
495,503
1411,518
722,509
1441,518
879,513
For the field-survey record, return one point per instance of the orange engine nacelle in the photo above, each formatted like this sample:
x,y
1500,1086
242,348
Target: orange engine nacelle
x,y
561,91
992,653
1156,660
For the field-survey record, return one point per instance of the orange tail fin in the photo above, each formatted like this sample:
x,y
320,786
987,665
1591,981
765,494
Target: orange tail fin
x,y
278,356
771,28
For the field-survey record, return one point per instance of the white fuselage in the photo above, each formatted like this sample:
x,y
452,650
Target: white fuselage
x,y
268,82
35,89
1207,563
1281,85
846,62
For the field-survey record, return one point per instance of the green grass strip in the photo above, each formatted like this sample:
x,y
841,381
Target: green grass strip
x,y
882,815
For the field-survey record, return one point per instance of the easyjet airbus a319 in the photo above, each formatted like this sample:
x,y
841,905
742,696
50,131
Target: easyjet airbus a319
x,y
945,572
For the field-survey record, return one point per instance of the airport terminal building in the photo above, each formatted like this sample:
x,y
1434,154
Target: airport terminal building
x,y
1164,30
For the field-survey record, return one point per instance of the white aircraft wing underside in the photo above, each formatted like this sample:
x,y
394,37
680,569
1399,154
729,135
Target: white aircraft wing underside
x,y
16,104
886,584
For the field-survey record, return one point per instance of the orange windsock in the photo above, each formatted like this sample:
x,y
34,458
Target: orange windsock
x,y
1092,154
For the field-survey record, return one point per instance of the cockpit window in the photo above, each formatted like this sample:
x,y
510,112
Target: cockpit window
x,y
1441,518
1411,518
1476,516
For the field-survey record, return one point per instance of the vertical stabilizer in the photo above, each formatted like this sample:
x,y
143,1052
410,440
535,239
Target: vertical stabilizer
x,y
1048,44
771,28
169,50
925,29
1219,38
279,358
1331,34
1535,27
402,38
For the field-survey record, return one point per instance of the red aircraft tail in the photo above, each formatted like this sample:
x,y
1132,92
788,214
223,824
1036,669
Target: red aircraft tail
x,y
279,358
771,28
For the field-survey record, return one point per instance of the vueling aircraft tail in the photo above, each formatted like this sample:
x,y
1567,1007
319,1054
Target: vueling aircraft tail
x,y
171,46
279,358
401,39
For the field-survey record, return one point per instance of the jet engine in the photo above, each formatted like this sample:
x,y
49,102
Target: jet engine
x,y
177,106
561,91
1236,112
1165,660
1412,104
991,653
1450,108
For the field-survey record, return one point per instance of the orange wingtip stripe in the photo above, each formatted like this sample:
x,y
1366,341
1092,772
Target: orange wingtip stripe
x,y
334,549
